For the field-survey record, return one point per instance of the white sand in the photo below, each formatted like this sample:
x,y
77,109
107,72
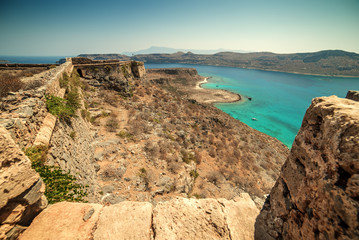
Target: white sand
x,y
198,86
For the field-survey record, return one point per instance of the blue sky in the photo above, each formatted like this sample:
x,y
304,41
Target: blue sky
x,y
67,28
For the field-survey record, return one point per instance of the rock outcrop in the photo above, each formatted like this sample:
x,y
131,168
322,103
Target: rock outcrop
x,y
178,218
317,193
22,190
353,95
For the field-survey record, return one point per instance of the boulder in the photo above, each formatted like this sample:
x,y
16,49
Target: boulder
x,y
22,190
316,195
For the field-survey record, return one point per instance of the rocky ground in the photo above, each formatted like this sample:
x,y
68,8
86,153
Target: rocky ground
x,y
160,143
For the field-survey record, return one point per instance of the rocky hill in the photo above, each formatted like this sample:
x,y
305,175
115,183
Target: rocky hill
x,y
116,134
329,62
145,153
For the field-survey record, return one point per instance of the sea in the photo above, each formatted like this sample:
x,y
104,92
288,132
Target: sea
x,y
273,102
31,59
278,100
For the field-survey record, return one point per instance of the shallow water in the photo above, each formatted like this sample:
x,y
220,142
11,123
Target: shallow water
x,y
279,100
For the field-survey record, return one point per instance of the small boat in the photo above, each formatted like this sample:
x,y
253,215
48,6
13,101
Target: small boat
x,y
254,119
249,98
216,85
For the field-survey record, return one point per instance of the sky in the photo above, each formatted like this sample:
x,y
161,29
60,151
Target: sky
x,y
69,28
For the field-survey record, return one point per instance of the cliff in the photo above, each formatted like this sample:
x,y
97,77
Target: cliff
x,y
316,195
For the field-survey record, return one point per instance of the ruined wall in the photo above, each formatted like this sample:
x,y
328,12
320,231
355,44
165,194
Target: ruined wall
x,y
71,148
23,112
111,75
317,193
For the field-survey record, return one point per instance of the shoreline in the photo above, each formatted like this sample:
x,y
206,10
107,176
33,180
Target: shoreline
x,y
218,92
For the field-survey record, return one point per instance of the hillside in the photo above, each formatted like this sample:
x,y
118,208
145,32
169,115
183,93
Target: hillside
x,y
329,62
143,152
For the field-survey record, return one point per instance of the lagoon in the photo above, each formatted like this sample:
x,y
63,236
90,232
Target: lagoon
x,y
279,100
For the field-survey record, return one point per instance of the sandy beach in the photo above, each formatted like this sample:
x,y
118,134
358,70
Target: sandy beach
x,y
213,95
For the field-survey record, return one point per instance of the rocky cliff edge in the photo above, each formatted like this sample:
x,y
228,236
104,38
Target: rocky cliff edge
x,y
317,193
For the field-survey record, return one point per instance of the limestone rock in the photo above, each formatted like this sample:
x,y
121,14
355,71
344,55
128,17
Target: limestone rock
x,y
353,95
16,175
240,216
315,196
64,221
184,218
127,220
22,190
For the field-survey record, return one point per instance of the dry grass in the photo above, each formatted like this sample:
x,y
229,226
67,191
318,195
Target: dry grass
x,y
9,83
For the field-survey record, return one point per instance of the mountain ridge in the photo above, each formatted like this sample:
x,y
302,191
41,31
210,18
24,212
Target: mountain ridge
x,y
326,62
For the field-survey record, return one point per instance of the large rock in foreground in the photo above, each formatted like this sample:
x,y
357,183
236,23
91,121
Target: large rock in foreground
x,y
179,218
205,219
22,190
317,193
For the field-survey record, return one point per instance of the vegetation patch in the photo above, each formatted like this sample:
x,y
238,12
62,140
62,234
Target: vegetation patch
x,y
61,108
9,83
60,186
125,135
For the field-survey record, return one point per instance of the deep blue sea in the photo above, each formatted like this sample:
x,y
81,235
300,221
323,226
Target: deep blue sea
x,y
279,100
31,60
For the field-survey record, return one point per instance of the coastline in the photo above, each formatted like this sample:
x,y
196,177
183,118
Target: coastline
x,y
215,95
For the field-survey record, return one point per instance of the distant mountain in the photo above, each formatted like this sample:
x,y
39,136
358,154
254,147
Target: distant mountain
x,y
328,62
111,56
174,50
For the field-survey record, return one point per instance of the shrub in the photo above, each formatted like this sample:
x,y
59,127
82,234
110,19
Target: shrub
x,y
187,157
59,107
124,134
73,135
112,124
214,177
85,115
73,99
60,186
9,83
144,176
194,174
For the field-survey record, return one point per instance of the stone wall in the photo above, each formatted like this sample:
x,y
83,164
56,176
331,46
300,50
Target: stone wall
x,y
23,112
317,193
22,190
71,148
179,218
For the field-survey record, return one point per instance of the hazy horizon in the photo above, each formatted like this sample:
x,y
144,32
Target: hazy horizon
x,y
69,28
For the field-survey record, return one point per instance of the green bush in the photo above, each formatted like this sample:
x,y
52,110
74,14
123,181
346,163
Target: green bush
x,y
60,186
73,99
194,174
59,107
124,134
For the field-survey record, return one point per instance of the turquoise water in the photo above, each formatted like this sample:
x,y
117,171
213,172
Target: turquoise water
x,y
279,100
